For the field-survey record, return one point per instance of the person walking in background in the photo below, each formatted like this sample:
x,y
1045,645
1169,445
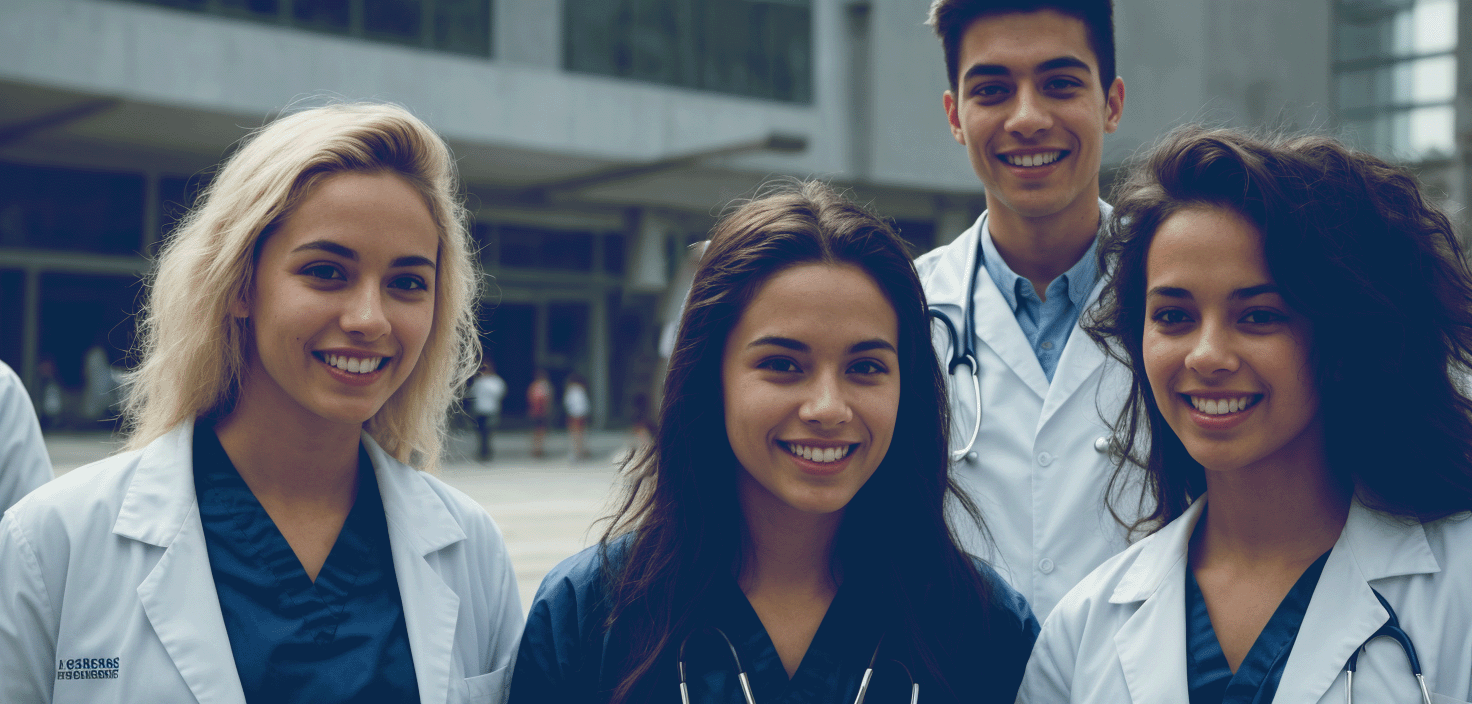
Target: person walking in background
x,y
24,463
486,392
576,404
538,405
267,534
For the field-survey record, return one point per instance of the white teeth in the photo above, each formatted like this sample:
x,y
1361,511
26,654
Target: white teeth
x,y
819,454
1220,406
353,365
1034,159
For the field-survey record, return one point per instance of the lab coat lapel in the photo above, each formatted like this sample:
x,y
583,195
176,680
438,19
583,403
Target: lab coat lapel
x,y
1080,359
178,596
1152,642
1344,611
997,326
419,525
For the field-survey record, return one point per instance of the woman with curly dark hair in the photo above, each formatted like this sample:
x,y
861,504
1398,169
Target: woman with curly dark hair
x,y
793,503
1299,323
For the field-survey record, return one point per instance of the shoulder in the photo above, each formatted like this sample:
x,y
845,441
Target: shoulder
x,y
582,576
84,500
478,525
955,251
1008,601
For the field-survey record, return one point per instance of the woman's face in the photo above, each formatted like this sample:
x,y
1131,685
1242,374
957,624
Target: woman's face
x,y
343,299
1227,359
811,380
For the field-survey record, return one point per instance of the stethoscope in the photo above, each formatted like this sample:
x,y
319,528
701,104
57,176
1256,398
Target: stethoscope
x,y
1393,631
746,682
963,351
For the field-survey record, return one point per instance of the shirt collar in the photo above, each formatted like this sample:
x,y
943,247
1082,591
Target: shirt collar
x,y
1081,277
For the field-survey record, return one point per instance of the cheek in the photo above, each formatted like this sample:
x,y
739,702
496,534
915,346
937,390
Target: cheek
x,y
1160,360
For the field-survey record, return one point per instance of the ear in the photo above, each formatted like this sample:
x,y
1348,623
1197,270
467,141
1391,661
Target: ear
x,y
953,116
239,306
1114,106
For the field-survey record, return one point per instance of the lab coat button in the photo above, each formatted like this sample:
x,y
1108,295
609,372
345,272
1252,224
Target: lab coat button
x,y
1101,445
971,456
1045,459
1045,566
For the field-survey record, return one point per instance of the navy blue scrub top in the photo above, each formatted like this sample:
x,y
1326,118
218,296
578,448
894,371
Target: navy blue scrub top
x,y
1209,677
567,654
340,639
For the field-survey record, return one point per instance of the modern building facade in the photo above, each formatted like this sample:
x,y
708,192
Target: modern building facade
x,y
598,138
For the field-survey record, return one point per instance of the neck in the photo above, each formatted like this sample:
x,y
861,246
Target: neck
x,y
1040,249
787,550
1289,509
290,458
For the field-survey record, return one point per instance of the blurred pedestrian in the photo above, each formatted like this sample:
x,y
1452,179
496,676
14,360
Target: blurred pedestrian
x,y
486,392
538,399
575,402
24,464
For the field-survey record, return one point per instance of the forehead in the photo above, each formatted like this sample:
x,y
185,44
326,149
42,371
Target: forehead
x,y
1022,40
819,301
1199,245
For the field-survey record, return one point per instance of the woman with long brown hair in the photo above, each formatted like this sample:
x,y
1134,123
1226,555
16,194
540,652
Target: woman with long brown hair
x,y
789,522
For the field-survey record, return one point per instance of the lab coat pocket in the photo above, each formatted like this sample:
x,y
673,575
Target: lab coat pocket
x,y
490,688
1443,699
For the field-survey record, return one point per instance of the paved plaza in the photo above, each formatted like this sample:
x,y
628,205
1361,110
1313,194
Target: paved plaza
x,y
546,507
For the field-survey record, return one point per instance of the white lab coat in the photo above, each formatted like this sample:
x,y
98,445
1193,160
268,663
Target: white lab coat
x,y
1040,464
24,463
109,562
1120,635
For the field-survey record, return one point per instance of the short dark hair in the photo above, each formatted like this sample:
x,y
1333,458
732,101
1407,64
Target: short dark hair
x,y
680,503
951,18
1356,250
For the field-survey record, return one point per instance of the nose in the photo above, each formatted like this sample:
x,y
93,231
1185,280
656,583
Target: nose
x,y
1030,114
825,405
1213,352
363,314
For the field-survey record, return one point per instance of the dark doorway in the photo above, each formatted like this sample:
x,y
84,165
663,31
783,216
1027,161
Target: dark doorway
x,y
509,339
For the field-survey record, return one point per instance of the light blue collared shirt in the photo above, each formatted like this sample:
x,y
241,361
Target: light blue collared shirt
x,y
1046,324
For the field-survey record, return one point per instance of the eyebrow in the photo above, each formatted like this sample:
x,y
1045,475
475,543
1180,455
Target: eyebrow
x,y
347,253
796,346
1241,293
1044,67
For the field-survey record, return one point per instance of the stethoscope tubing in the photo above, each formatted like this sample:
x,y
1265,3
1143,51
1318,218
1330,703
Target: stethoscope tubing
x,y
746,681
1393,631
963,350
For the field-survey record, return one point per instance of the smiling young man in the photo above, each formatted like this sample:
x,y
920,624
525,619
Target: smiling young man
x,y
1032,93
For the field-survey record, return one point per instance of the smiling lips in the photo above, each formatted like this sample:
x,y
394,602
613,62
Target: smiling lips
x,y
1036,159
819,454
1223,406
352,365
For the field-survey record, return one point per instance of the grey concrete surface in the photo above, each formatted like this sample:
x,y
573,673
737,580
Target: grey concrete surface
x,y
546,507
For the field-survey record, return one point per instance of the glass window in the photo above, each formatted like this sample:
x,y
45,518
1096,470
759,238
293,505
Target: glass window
x,y
540,248
755,48
71,210
1396,76
459,26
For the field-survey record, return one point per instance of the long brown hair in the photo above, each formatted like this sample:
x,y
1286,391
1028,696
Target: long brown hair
x,y
1354,248
681,505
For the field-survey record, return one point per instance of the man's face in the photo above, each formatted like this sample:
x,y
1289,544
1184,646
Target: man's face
x,y
1031,113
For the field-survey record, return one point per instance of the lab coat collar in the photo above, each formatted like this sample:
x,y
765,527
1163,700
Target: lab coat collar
x,y
1341,615
1344,611
178,595
996,325
409,502
1152,642
160,496
419,526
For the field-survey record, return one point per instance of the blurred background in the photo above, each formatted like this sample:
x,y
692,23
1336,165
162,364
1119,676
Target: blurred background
x,y
598,139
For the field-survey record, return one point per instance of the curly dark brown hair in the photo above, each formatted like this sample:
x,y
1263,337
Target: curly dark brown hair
x,y
1355,248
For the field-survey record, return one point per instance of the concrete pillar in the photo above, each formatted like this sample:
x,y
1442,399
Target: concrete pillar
x,y
598,340
31,331
649,268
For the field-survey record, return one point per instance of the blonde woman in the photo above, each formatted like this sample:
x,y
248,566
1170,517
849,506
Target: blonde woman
x,y
265,535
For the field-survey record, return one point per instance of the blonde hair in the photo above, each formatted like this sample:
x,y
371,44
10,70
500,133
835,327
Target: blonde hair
x,y
192,348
